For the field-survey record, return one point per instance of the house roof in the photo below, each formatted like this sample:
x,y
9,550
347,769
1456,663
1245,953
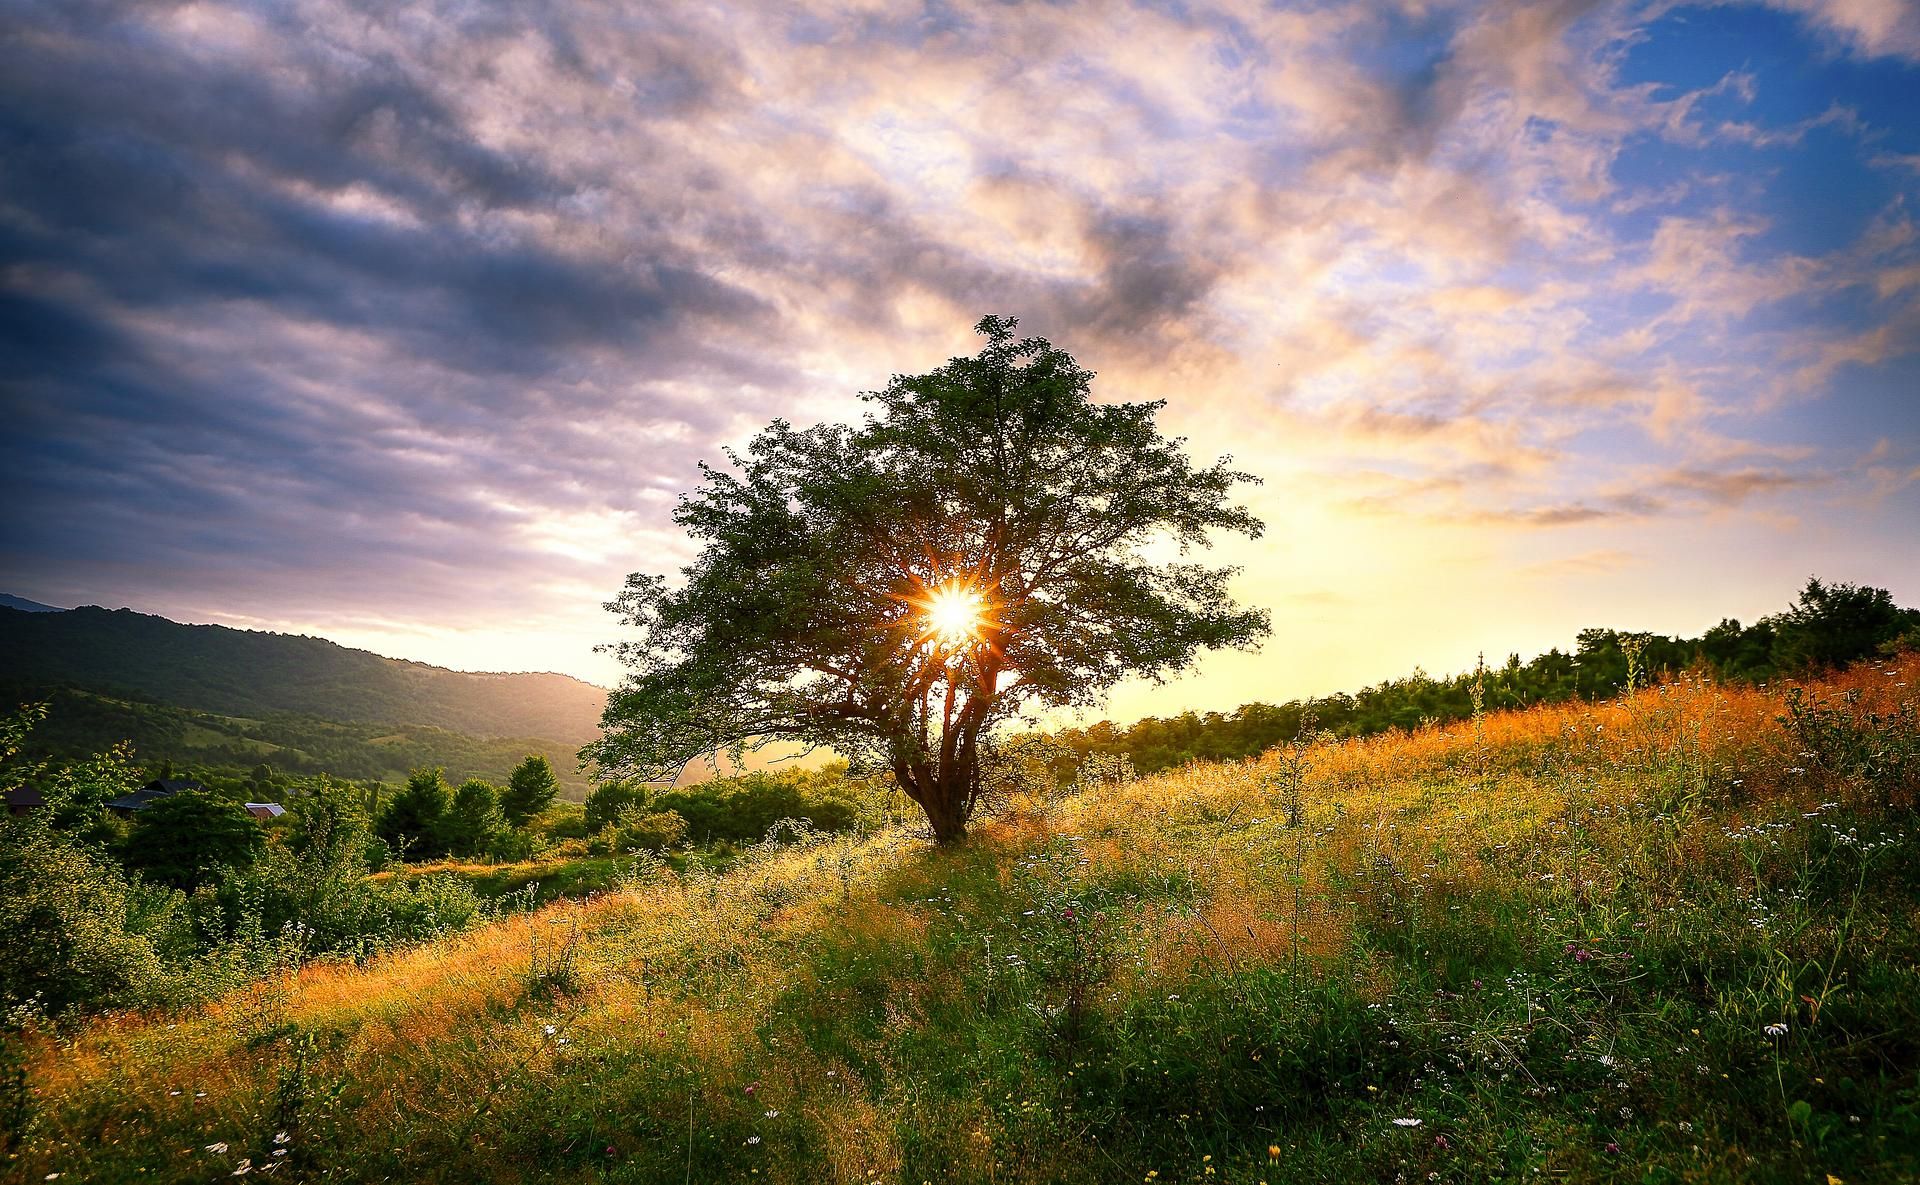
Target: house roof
x,y
158,788
25,796
265,810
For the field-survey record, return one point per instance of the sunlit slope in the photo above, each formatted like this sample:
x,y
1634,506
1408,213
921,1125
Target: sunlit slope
x,y
1662,940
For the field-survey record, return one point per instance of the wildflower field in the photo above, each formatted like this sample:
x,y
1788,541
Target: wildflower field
x,y
1674,937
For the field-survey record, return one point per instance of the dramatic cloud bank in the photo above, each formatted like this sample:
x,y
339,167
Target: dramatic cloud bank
x,y
406,323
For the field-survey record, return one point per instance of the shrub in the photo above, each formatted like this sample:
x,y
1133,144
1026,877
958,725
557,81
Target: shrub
x,y
321,902
567,849
79,935
741,809
560,822
609,799
76,791
186,839
512,845
1026,771
653,831
1865,747
76,934
331,816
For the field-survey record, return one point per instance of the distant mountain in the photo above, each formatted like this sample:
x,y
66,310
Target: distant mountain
x,y
79,723
251,674
9,601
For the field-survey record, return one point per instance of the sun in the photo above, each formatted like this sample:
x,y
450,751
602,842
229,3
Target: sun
x,y
954,614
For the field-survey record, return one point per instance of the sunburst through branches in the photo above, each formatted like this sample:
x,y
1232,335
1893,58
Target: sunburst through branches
x,y
955,614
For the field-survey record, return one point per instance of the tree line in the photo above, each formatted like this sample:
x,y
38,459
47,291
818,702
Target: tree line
x,y
1829,625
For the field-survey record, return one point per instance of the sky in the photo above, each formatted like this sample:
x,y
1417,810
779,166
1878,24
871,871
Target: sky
x,y
405,324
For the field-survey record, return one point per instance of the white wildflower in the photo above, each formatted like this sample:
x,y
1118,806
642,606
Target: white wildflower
x,y
218,1149
1775,1030
1406,1123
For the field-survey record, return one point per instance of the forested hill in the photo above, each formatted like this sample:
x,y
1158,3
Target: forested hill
x,y
246,673
1829,626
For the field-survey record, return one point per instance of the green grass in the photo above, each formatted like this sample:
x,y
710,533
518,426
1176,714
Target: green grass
x,y
1557,942
538,881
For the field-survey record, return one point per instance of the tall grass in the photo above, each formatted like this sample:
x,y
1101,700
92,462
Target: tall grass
x,y
1667,938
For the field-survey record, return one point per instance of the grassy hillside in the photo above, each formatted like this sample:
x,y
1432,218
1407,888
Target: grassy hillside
x,y
82,722
1667,939
246,673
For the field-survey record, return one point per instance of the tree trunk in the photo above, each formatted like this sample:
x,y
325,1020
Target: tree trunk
x,y
947,814
945,799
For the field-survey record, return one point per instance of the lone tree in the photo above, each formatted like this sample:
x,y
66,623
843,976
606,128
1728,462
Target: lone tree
x,y
414,823
975,548
531,788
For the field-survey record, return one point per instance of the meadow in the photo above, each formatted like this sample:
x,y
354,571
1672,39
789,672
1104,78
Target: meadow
x,y
1670,937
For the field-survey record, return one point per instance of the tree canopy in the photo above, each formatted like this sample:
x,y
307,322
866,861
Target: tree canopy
x,y
976,547
414,823
473,822
185,839
530,789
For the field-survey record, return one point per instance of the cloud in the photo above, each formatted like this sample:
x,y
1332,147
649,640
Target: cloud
x,y
1732,487
1502,497
1616,508
1587,564
339,318
1870,27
